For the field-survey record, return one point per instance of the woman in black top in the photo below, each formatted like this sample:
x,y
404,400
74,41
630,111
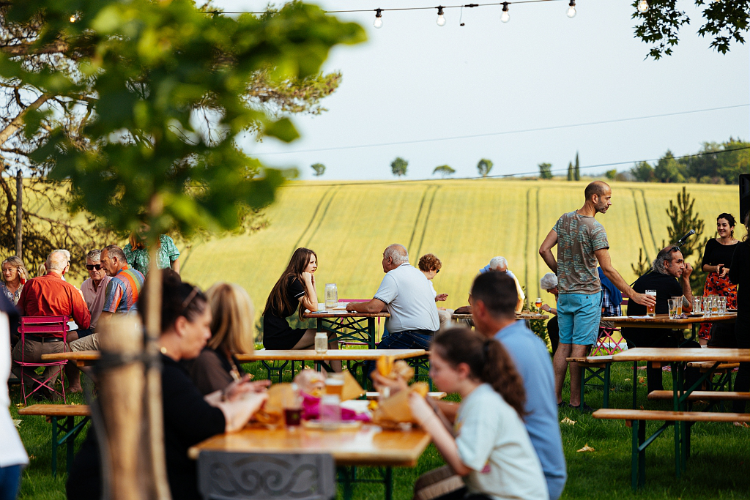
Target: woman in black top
x,y
189,417
294,290
716,259
739,274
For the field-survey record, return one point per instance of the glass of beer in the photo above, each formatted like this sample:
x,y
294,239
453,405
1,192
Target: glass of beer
x,y
538,303
335,384
672,308
678,304
714,305
651,310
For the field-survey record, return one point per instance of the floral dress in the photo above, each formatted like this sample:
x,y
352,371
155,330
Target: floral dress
x,y
13,297
138,259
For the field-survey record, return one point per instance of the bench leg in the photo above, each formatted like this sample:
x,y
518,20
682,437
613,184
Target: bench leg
x,y
605,402
54,446
635,383
638,458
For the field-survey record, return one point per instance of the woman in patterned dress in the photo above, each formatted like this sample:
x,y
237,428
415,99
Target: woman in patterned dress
x,y
716,261
14,276
136,252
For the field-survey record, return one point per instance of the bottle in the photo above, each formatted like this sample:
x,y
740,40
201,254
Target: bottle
x,y
321,342
293,408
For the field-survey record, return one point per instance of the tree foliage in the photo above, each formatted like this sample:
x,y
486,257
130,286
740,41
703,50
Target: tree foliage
x,y
319,169
398,166
724,22
577,169
444,171
570,170
484,166
545,170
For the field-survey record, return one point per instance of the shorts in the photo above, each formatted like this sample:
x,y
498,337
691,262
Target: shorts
x,y
578,316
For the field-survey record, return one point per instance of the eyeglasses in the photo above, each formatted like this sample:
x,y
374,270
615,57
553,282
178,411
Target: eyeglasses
x,y
437,271
91,267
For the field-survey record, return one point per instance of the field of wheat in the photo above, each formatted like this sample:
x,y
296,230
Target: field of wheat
x,y
464,223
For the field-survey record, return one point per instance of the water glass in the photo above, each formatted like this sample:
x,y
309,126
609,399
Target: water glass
x,y
707,306
697,302
672,308
722,305
332,295
651,310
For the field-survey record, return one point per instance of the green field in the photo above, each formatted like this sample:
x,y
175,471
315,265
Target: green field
x,y
464,223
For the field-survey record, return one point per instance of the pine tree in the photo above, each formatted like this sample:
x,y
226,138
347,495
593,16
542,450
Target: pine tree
x,y
577,172
570,170
682,220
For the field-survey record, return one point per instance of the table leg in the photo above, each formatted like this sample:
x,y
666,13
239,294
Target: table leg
x,y
606,386
388,482
70,442
54,446
371,333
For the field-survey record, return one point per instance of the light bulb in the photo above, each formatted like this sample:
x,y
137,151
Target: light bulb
x,y
378,19
642,6
73,18
506,15
441,17
572,9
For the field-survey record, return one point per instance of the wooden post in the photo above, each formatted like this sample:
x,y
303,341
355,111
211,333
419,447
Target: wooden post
x,y
19,213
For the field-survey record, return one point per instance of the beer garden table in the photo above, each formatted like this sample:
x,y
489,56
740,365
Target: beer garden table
x,y
663,321
367,446
527,315
347,325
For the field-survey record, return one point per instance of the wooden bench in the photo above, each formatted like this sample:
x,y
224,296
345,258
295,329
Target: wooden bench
x,y
598,368
63,419
702,396
434,395
636,419
724,370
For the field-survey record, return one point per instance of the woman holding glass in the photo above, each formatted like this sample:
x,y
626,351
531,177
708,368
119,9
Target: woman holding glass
x,y
717,259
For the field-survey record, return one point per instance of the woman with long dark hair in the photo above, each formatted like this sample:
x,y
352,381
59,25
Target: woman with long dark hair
x,y
717,260
295,290
491,448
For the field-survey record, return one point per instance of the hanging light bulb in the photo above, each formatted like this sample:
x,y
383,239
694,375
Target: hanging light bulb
x,y
506,15
441,17
74,18
378,18
572,9
642,6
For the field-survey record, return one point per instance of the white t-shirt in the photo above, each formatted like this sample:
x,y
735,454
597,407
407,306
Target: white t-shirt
x,y
410,301
12,451
493,442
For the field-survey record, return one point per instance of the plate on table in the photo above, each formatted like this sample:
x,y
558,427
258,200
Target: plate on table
x,y
696,315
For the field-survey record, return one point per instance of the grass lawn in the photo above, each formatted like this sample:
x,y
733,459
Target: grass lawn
x,y
719,467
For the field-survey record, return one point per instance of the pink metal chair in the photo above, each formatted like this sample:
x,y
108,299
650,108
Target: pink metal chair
x,y
43,326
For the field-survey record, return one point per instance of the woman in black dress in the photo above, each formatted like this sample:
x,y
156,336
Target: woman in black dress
x,y
716,261
294,290
739,274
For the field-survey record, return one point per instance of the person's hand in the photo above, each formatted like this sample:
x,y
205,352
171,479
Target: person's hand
x,y
420,408
724,272
441,297
312,279
644,300
718,268
545,308
394,385
239,389
463,310
307,277
688,271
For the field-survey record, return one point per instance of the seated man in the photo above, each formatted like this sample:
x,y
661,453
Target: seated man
x,y
501,265
94,289
407,296
49,295
663,277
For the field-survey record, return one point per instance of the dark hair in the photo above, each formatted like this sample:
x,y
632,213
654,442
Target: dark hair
x,y
730,219
487,360
498,292
177,299
278,299
428,262
595,188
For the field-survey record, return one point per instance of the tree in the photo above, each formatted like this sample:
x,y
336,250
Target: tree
x,y
668,169
444,170
570,170
164,85
643,172
724,22
319,169
484,166
545,170
643,265
682,221
577,169
611,174
398,166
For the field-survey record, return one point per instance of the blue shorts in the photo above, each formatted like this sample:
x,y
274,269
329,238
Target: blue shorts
x,y
578,315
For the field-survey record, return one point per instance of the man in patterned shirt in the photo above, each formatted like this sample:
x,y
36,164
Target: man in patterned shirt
x,y
581,242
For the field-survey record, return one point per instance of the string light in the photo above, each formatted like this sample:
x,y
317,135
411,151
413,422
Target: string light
x,y
378,18
74,18
505,17
441,16
642,6
572,9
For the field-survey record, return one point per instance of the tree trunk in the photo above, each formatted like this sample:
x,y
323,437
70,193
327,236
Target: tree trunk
x,y
19,214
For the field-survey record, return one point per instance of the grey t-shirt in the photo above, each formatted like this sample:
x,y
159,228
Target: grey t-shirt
x,y
410,301
578,237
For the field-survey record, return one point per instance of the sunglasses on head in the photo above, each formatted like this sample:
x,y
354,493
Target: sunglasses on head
x,y
91,267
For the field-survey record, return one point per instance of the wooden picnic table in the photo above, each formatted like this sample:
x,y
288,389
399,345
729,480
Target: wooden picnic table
x,y
347,325
528,315
663,321
367,446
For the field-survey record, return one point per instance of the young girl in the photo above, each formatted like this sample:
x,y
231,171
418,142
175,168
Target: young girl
x,y
295,289
491,448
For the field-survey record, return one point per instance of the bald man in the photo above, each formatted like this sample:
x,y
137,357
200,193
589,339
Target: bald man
x,y
581,243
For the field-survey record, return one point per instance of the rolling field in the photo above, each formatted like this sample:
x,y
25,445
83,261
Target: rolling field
x,y
464,223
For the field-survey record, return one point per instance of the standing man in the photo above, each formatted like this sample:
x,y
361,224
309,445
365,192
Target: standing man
x,y
581,242
407,295
121,292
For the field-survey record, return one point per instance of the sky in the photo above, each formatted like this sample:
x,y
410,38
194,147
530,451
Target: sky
x,y
415,90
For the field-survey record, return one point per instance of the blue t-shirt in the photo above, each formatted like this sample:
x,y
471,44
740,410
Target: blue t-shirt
x,y
533,363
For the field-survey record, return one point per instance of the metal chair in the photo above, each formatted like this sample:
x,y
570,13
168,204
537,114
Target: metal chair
x,y
281,476
44,327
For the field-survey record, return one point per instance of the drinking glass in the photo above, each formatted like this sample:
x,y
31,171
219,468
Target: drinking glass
x,y
697,302
678,304
672,308
538,303
651,310
714,305
335,384
332,295
722,305
707,306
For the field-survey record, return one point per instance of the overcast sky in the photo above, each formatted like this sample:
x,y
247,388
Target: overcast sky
x,y
420,85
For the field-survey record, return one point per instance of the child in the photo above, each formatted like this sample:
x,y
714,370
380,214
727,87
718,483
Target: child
x,y
491,448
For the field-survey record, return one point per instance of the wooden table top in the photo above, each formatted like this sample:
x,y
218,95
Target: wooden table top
x,y
368,445
341,312
89,357
663,321
668,354
521,315
56,410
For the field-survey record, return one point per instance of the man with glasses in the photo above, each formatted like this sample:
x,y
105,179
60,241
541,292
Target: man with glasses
x,y
94,289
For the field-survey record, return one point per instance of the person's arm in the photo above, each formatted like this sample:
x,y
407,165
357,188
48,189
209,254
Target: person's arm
x,y
441,297
372,306
546,250
549,309
80,311
602,255
687,292
431,423
310,298
176,265
239,401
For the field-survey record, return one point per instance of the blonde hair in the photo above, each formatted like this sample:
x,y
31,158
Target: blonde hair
x,y
232,318
16,262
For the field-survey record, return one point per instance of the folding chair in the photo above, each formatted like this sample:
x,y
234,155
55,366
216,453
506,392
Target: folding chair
x,y
606,344
42,327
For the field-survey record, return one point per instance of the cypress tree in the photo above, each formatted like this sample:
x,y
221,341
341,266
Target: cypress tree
x,y
570,170
577,174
